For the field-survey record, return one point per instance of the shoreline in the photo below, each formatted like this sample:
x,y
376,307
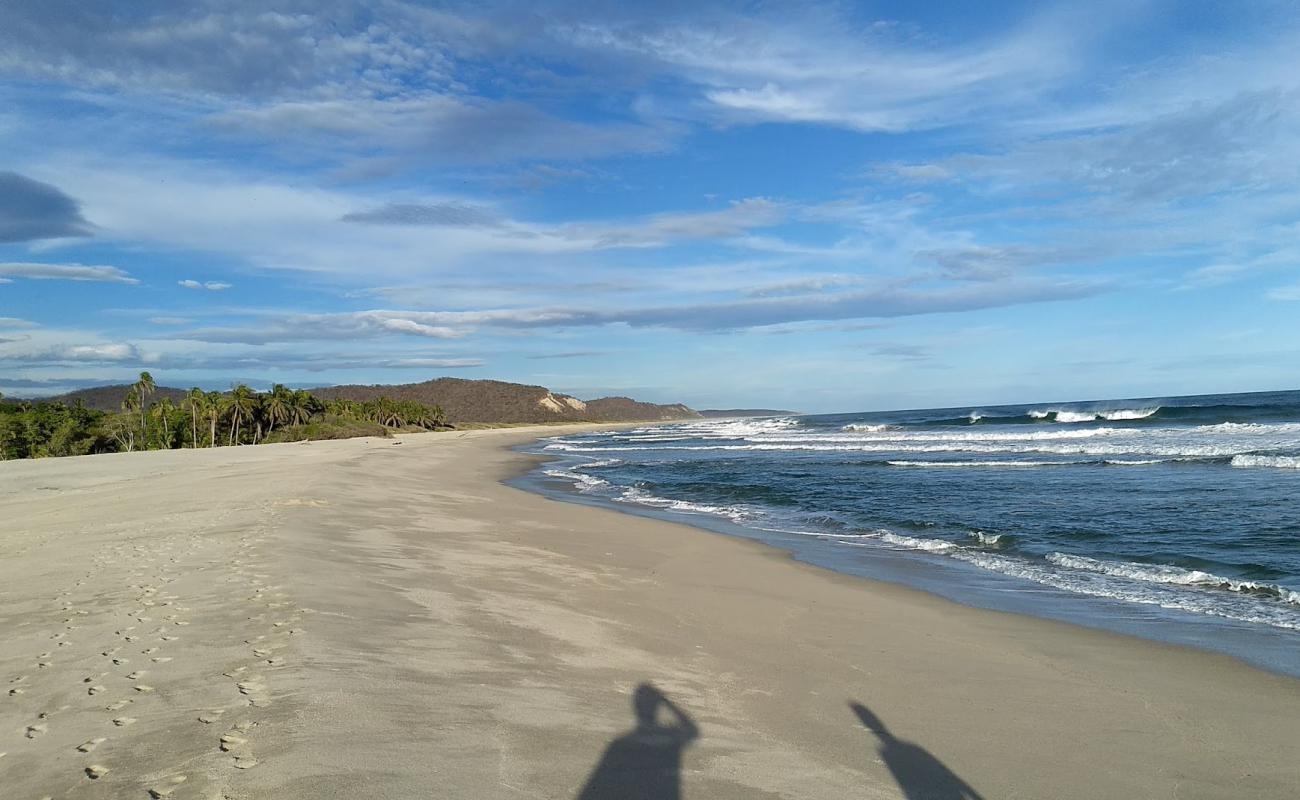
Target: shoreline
x,y
398,621
1255,645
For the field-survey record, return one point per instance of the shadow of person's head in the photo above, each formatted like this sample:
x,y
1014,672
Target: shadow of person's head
x,y
645,704
870,721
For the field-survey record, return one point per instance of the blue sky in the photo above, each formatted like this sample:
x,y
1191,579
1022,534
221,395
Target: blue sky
x,y
827,208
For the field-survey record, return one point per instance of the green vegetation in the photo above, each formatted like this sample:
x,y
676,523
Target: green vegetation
x,y
31,429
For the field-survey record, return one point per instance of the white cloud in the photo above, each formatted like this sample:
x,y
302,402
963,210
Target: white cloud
x,y
819,66
65,272
884,300
81,353
1285,293
438,128
660,229
288,227
211,286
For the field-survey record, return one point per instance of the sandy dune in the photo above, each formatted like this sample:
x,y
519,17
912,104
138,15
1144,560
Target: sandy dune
x,y
364,619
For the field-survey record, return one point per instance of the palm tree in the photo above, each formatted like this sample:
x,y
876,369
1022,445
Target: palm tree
x,y
132,400
215,406
129,405
278,406
144,387
161,412
196,401
240,405
302,406
340,407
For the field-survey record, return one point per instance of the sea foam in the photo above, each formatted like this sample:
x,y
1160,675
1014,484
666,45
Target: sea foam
x,y
1276,462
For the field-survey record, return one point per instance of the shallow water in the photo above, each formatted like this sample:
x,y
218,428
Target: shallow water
x,y
1176,519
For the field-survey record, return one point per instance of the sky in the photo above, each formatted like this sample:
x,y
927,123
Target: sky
x,y
831,207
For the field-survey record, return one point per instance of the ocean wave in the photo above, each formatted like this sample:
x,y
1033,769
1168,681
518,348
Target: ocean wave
x,y
581,482
891,435
916,542
1166,587
1142,452
864,427
1275,462
1164,573
641,497
1002,463
995,540
1241,608
1073,416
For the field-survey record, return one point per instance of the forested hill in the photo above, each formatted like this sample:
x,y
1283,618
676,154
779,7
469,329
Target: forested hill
x,y
461,400
109,398
497,401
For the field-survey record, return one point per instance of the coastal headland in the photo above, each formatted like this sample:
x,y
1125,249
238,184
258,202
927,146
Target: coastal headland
x,y
385,618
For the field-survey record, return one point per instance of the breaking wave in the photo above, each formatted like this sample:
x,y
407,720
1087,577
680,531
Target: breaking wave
x,y
1276,462
1163,573
640,497
1116,415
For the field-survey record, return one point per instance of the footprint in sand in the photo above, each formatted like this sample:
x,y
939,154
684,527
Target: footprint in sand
x,y
166,788
122,722
144,689
36,730
86,747
118,706
135,676
230,741
235,742
94,690
96,771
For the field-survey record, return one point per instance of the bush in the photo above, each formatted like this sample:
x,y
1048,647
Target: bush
x,y
327,427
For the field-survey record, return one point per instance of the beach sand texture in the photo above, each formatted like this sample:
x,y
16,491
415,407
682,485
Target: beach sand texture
x,y
364,618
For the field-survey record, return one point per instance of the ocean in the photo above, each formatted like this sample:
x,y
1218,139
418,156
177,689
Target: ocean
x,y
1176,519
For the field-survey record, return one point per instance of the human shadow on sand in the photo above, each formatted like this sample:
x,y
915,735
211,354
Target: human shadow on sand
x,y
646,762
920,775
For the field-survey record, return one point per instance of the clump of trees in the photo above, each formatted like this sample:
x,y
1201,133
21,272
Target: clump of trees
x,y
202,419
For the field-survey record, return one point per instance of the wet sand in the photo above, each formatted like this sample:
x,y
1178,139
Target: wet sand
x,y
369,619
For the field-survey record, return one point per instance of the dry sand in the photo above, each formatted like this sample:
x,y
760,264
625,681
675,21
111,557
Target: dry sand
x,y
363,619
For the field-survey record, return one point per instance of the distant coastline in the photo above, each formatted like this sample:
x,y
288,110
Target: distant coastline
x,y
722,413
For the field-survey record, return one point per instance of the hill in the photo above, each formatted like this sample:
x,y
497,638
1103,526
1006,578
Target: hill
x,y
109,398
462,400
498,401
716,413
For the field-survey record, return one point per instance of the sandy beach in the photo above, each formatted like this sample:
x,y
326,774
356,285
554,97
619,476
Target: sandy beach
x,y
384,618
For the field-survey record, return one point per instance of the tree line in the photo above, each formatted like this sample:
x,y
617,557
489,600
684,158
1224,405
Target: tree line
x,y
201,419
